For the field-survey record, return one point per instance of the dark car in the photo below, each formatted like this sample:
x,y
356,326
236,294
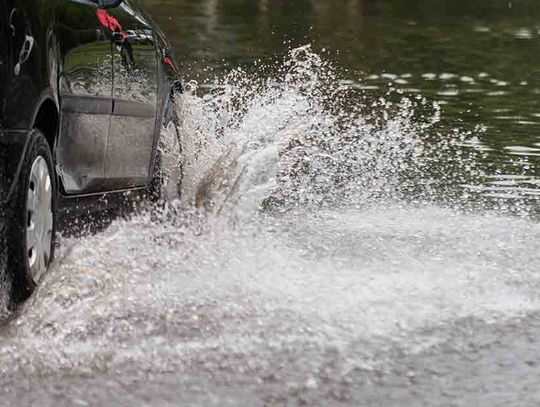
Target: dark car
x,y
85,88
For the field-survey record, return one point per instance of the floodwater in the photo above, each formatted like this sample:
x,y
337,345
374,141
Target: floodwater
x,y
358,224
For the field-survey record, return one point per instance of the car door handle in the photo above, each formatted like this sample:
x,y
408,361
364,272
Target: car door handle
x,y
11,26
26,50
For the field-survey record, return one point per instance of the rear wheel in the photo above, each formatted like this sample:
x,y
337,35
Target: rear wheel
x,y
31,222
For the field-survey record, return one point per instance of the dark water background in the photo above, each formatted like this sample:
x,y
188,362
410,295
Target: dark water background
x,y
477,59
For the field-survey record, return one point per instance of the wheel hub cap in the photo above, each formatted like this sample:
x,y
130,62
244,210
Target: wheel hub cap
x,y
39,228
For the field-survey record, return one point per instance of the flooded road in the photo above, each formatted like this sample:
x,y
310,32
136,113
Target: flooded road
x,y
382,306
348,233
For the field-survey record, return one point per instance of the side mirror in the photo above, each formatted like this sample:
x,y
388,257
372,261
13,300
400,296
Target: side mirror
x,y
109,3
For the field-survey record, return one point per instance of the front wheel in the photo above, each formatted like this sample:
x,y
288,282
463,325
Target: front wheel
x,y
31,224
167,178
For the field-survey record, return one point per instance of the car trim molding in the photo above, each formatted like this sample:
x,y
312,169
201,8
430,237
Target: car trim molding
x,y
86,104
123,107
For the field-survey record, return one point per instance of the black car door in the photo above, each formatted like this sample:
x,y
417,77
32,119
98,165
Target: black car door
x,y
21,70
85,87
133,123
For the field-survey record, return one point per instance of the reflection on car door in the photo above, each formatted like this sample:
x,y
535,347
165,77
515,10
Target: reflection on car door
x,y
133,123
86,96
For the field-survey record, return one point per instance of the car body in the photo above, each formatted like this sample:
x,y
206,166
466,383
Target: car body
x,y
94,78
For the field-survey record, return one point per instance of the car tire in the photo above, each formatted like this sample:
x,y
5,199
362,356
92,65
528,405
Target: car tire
x,y
166,185
31,222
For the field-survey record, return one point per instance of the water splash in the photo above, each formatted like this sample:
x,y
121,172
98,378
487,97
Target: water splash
x,y
301,138
304,137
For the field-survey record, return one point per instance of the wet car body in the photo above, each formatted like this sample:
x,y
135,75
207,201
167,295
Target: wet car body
x,y
108,85
95,78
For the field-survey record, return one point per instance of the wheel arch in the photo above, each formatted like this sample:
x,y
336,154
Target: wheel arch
x,y
47,120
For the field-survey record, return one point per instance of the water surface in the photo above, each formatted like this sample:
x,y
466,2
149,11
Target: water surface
x,y
478,60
